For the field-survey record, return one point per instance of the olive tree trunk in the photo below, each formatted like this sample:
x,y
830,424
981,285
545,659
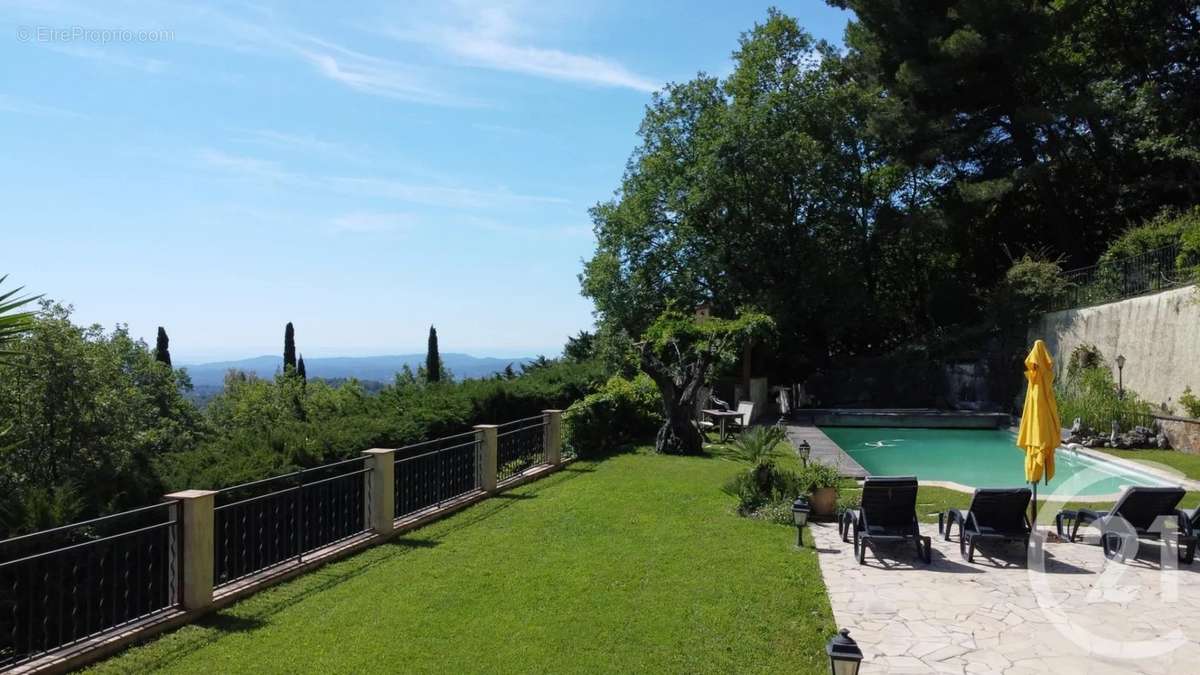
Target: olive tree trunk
x,y
680,388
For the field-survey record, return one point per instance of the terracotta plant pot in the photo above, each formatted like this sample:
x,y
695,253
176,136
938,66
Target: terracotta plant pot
x,y
823,501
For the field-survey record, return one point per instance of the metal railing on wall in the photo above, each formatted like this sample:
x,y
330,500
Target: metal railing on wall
x,y
61,586
67,585
520,445
267,522
1112,280
430,473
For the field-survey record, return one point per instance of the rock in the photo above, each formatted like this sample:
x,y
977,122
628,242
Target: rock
x,y
1162,441
1143,431
1077,427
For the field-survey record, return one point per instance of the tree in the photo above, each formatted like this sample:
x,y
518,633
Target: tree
x,y
678,352
580,348
1045,122
162,347
92,411
433,360
509,373
300,370
768,190
289,349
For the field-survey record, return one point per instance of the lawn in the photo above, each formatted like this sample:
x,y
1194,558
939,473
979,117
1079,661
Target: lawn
x,y
1188,465
633,563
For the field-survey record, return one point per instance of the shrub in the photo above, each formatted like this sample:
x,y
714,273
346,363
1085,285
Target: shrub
x,y
1084,357
1164,229
1190,403
1091,395
817,475
622,411
1030,287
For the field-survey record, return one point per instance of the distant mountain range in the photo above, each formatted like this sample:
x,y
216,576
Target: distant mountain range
x,y
377,368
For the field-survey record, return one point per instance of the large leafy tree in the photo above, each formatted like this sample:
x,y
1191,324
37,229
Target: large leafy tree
x,y
769,189
1049,123
91,410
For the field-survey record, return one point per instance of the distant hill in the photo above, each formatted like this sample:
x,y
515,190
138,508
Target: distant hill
x,y
378,368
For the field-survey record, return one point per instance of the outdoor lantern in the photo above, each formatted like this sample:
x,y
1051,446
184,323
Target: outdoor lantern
x,y
844,654
800,512
1120,376
804,450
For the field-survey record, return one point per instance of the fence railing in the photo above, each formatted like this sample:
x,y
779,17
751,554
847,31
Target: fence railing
x,y
520,445
61,586
1112,280
264,523
430,473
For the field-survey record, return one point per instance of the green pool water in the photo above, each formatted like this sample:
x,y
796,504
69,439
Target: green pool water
x,y
977,458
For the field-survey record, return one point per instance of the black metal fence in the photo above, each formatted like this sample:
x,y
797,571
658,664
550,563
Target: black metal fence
x,y
520,445
64,585
264,523
430,473
1112,280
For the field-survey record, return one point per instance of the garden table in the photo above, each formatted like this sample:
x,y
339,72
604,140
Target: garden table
x,y
721,416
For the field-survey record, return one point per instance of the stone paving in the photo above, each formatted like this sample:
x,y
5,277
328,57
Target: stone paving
x,y
1081,615
824,450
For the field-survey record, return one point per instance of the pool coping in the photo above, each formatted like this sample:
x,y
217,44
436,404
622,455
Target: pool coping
x,y
1128,465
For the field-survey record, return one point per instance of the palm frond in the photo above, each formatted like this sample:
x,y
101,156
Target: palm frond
x,y
12,322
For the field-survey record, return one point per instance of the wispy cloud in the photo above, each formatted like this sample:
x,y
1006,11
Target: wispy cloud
x,y
546,232
403,191
110,58
366,222
19,106
493,38
374,75
243,166
290,142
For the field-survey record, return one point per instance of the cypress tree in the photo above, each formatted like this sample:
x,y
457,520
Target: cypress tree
x,y
162,350
289,348
301,371
433,361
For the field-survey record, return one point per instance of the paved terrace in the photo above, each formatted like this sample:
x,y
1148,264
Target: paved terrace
x,y
1082,615
824,450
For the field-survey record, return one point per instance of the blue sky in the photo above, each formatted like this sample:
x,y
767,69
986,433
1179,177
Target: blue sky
x,y
223,169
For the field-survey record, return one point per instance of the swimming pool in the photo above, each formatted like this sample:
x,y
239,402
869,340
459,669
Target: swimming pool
x,y
976,458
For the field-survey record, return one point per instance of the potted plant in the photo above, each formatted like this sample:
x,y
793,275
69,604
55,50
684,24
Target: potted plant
x,y
822,480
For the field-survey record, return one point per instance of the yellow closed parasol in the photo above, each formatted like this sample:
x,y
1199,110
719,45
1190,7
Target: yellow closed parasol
x,y
1041,428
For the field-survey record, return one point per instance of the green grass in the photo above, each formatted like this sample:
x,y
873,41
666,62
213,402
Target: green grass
x,y
635,563
1188,465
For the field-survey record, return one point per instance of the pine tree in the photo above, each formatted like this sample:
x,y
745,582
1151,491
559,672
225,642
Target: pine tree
x,y
301,371
162,350
433,360
289,348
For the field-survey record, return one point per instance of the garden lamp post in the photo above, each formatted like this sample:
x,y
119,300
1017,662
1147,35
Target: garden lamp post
x,y
803,451
800,510
1120,376
844,655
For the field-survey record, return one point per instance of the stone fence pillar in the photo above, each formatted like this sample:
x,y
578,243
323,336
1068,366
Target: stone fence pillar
x,y
553,421
197,519
487,433
381,486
